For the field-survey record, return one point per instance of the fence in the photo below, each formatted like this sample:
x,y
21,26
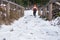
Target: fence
x,y
50,7
10,11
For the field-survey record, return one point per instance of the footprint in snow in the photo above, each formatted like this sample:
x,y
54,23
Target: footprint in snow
x,y
52,34
26,22
4,38
58,39
31,33
11,30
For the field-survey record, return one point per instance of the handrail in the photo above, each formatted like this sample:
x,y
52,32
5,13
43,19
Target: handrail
x,y
51,1
13,3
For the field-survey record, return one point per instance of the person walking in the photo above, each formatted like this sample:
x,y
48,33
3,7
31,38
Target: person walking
x,y
35,8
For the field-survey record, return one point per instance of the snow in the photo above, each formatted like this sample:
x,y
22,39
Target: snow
x,y
56,21
2,5
58,3
30,28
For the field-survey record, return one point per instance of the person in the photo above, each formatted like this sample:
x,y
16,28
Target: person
x,y
35,9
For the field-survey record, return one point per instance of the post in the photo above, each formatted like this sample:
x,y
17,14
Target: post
x,y
22,11
8,10
19,13
44,12
50,12
39,12
1,1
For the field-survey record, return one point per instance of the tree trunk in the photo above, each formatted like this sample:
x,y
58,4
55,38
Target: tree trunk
x,y
28,4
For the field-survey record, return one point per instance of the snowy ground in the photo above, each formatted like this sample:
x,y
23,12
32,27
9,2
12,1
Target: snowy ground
x,y
30,28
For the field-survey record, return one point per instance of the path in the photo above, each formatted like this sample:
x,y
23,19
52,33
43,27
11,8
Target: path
x,y
30,28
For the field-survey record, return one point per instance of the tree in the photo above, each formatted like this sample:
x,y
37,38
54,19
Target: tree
x,y
30,2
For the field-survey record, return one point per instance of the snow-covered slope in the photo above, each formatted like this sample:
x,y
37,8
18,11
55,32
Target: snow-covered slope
x,y
29,28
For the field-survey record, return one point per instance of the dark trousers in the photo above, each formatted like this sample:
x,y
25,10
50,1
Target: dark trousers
x,y
34,13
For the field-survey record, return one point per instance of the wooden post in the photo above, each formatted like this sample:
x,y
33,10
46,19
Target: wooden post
x,y
22,11
19,13
0,15
8,10
50,12
1,1
39,12
44,12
